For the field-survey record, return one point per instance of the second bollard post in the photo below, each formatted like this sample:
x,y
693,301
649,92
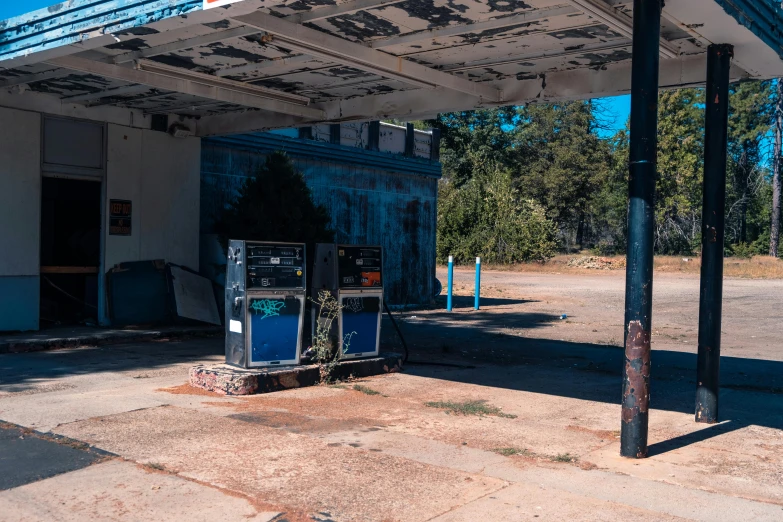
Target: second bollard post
x,y
478,282
450,284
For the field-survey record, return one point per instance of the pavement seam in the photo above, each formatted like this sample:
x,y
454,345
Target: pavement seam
x,y
499,460
226,491
621,476
61,439
505,486
107,455
683,485
162,405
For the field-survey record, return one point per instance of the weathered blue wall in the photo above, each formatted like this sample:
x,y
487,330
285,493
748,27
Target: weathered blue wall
x,y
19,304
373,198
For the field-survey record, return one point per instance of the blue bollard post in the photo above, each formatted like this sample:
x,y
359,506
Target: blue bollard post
x,y
450,284
478,282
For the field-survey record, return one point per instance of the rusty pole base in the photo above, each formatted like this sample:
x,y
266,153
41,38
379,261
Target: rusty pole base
x,y
636,393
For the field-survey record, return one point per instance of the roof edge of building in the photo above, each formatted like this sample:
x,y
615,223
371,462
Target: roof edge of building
x,y
266,142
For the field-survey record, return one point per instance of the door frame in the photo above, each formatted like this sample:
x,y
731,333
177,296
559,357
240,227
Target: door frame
x,y
65,172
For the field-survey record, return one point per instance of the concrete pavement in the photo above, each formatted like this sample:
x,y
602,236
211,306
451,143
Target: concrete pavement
x,y
404,446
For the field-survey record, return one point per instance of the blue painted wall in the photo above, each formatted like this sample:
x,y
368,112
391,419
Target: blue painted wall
x,y
373,198
20,303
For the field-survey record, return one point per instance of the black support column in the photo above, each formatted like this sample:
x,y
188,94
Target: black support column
x,y
435,146
305,133
335,131
713,231
374,136
641,190
410,140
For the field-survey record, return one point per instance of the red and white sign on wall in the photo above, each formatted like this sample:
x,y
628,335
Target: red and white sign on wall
x,y
209,4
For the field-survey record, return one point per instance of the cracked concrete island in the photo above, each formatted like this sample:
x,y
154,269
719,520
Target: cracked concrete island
x,y
509,413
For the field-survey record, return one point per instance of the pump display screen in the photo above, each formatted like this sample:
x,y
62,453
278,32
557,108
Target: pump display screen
x,y
359,267
275,266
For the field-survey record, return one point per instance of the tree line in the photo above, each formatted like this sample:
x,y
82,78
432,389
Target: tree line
x,y
522,183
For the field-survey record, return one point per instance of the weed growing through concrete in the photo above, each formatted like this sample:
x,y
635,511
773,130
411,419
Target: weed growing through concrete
x,y
326,348
480,408
563,457
156,466
509,452
365,390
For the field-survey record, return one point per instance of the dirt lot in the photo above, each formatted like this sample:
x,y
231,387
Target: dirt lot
x,y
594,302
505,414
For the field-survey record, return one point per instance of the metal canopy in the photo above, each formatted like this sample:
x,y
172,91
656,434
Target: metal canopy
x,y
263,64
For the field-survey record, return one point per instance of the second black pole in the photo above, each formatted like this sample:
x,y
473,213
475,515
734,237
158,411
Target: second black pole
x,y
641,221
713,231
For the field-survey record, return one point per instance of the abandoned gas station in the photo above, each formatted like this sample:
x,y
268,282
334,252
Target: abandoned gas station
x,y
128,94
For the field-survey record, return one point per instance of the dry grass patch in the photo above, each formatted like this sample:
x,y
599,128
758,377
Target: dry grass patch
x,y
479,408
564,457
365,390
155,466
759,267
510,452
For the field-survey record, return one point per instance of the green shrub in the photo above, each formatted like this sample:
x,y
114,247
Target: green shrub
x,y
486,217
606,247
742,250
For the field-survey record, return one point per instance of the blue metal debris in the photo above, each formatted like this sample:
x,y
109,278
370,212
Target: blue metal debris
x,y
763,17
79,20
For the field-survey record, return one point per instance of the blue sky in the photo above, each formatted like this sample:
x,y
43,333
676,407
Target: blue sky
x,y
619,107
9,9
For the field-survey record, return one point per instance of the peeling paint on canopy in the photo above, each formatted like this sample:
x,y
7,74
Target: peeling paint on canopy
x,y
504,43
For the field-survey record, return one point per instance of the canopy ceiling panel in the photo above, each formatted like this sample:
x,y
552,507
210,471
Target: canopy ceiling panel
x,y
261,64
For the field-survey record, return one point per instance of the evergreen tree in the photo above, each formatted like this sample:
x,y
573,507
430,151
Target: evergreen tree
x,y
678,188
750,117
275,205
777,164
611,202
562,164
471,141
556,158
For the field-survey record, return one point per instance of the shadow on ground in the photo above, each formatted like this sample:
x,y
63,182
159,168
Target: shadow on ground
x,y
468,302
22,372
751,389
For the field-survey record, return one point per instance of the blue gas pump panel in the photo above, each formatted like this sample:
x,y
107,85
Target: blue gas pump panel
x,y
361,324
275,326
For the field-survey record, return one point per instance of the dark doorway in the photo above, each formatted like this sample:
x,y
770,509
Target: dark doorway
x,y
70,251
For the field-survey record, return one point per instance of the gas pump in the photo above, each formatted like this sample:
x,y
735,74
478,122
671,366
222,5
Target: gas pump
x,y
265,303
354,276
